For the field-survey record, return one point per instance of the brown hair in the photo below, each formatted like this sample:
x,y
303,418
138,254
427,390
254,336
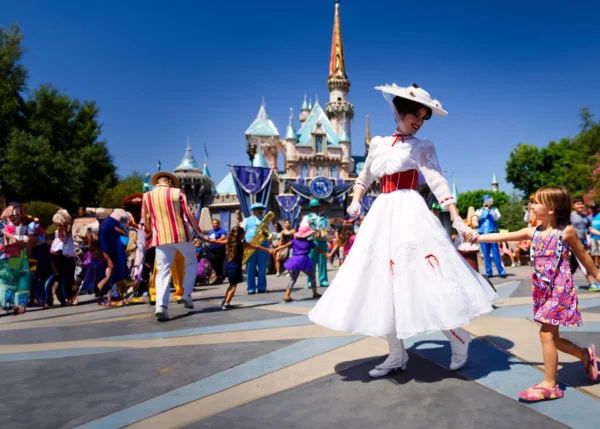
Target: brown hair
x,y
235,236
344,236
556,197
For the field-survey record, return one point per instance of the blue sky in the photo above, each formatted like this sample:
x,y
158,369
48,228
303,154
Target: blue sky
x,y
160,71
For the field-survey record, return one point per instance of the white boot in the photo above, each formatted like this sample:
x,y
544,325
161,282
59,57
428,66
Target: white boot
x,y
459,343
395,361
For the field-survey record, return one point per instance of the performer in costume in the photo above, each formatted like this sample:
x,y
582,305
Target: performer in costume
x,y
320,225
488,216
166,214
403,276
259,260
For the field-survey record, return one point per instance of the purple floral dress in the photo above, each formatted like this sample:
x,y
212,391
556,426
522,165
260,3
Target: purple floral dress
x,y
554,297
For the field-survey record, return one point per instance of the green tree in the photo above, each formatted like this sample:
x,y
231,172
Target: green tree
x,y
13,77
473,199
566,162
42,210
50,146
512,213
113,197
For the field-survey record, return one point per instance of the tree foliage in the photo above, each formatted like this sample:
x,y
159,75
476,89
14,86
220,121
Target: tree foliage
x,y
474,199
568,162
50,146
512,214
114,196
42,210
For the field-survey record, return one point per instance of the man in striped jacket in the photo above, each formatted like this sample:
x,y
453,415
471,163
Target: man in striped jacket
x,y
166,216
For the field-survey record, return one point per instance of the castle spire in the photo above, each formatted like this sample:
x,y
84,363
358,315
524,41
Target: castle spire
x,y
337,62
188,162
290,132
367,136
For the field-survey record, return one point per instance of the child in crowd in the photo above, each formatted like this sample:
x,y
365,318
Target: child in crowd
x,y
41,254
554,298
234,254
345,239
300,261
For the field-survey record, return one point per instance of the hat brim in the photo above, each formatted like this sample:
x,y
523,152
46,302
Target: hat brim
x,y
160,174
405,93
299,235
260,207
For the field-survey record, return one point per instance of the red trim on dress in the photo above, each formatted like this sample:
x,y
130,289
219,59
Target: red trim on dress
x,y
403,180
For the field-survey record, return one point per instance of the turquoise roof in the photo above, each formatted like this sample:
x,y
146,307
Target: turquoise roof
x,y
205,170
259,161
454,190
227,186
305,104
188,162
494,180
317,115
290,132
262,125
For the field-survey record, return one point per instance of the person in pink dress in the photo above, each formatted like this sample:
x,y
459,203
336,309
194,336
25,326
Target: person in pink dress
x,y
554,297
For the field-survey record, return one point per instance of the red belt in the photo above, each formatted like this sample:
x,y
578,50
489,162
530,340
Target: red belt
x,y
404,180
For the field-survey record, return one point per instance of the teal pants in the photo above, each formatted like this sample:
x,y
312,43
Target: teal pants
x,y
320,261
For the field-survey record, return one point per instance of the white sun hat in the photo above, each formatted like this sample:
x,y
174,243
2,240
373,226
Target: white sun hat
x,y
413,93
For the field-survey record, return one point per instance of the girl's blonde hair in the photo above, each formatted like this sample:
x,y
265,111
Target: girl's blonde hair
x,y
557,198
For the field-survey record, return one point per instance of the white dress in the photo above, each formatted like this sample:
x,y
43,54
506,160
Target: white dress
x,y
403,276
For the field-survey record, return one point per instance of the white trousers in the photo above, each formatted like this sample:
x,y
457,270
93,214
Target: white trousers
x,y
164,259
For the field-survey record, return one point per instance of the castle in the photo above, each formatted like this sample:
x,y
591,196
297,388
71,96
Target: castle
x,y
320,147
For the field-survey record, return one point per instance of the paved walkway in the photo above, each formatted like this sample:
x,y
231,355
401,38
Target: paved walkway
x,y
265,364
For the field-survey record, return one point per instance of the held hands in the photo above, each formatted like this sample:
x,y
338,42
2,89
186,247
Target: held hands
x,y
470,235
354,209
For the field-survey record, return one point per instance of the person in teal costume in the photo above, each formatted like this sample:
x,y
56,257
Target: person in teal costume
x,y
318,222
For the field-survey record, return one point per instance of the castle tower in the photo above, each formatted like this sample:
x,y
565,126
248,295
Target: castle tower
x,y
367,137
495,186
197,185
304,111
338,107
263,138
290,141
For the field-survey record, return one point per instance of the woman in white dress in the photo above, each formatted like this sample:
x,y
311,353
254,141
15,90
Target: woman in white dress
x,y
403,276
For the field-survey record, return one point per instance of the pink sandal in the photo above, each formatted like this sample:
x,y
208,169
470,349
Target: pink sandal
x,y
539,393
592,366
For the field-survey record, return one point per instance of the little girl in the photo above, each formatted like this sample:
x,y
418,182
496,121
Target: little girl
x,y
345,239
234,254
554,297
300,261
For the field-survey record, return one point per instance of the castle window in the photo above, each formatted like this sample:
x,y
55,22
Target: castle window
x,y
319,144
334,172
321,171
304,171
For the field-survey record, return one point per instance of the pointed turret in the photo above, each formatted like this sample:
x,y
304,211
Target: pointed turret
x,y
205,170
367,136
188,162
338,83
495,185
337,62
454,188
290,132
310,105
305,111
262,125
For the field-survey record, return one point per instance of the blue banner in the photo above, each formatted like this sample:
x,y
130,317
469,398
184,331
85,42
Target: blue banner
x,y
366,203
252,185
289,207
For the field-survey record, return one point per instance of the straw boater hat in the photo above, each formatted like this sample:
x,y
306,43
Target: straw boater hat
x,y
171,176
416,94
303,232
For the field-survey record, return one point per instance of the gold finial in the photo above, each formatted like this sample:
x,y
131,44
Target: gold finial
x,y
337,64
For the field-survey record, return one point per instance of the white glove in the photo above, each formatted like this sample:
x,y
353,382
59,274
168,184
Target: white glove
x,y
464,230
354,209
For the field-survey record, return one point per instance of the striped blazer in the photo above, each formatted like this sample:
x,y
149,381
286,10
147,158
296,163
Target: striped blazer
x,y
165,213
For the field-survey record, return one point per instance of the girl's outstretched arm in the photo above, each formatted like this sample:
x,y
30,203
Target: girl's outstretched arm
x,y
570,237
252,246
524,234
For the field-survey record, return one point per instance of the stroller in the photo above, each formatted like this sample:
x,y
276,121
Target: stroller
x,y
205,273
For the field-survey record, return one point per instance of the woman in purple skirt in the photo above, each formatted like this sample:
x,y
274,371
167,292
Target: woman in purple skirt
x,y
300,261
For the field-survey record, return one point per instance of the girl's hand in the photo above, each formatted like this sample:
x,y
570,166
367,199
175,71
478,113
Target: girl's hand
x,y
598,277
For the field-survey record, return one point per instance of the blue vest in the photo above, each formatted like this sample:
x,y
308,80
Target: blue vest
x,y
252,223
487,223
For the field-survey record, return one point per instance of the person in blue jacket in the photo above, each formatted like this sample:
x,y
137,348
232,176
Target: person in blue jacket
x,y
257,264
488,217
